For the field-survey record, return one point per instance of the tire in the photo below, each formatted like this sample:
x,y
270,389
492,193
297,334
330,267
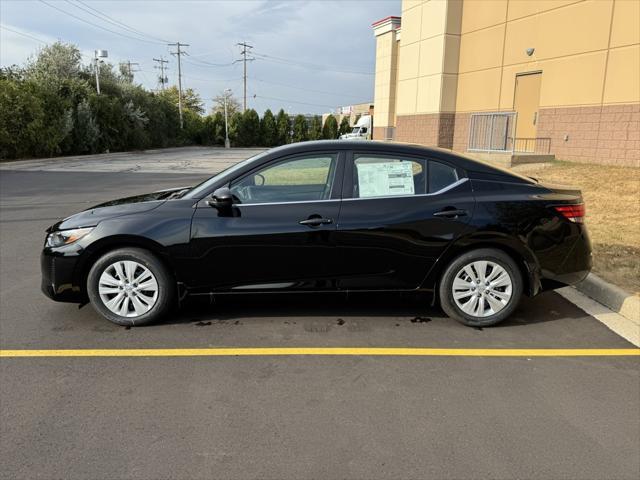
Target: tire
x,y
130,287
478,304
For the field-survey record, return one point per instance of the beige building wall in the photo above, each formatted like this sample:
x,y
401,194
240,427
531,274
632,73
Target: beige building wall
x,y
387,32
457,57
576,44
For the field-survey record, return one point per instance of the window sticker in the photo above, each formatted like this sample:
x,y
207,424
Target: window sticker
x,y
385,179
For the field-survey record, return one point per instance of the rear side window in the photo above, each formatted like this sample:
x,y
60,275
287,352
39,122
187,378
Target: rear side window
x,y
388,176
441,176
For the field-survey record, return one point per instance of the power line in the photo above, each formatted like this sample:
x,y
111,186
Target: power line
x,y
39,40
202,63
96,25
213,80
179,52
286,61
305,89
246,49
116,22
293,101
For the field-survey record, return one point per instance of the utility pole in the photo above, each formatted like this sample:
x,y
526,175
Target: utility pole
x,y
163,79
227,144
178,53
246,49
128,65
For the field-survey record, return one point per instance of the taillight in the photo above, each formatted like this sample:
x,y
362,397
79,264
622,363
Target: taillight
x,y
574,213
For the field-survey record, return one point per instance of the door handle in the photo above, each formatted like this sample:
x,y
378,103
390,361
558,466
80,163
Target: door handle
x,y
450,213
315,221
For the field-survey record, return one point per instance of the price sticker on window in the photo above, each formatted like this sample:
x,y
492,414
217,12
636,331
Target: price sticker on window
x,y
385,179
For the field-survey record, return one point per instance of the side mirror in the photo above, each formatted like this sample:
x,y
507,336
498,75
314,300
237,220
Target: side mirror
x,y
222,198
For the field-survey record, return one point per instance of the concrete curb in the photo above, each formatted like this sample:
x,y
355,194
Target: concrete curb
x,y
611,296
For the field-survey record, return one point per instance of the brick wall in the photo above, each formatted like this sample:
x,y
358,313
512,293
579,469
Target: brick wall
x,y
461,132
608,134
434,129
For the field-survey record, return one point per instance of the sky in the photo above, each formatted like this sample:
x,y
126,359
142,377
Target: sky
x,y
311,56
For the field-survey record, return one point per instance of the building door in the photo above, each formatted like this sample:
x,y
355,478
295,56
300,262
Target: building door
x,y
526,102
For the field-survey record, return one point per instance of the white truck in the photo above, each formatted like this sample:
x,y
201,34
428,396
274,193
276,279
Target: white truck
x,y
362,130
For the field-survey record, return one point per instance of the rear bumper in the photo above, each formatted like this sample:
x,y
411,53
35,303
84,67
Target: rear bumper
x,y
57,277
574,266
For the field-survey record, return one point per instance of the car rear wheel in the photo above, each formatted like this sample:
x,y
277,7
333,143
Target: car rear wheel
x,y
481,287
130,287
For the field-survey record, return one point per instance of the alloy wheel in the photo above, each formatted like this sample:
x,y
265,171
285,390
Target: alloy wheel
x,y
128,288
482,288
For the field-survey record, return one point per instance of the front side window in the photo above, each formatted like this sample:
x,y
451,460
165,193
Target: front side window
x,y
296,180
382,176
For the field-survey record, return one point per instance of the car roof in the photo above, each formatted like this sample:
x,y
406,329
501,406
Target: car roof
x,y
390,147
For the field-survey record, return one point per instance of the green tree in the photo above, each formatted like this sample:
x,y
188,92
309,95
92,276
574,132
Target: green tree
x,y
268,129
213,133
235,122
344,126
330,128
51,107
248,134
283,127
233,104
190,99
55,63
315,129
300,129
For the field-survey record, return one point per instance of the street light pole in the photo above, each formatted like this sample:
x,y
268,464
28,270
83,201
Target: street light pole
x,y
227,144
98,55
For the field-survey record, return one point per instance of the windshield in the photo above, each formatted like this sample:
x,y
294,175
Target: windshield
x,y
199,190
355,130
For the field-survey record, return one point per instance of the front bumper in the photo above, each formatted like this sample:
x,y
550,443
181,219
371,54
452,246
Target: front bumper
x,y
58,277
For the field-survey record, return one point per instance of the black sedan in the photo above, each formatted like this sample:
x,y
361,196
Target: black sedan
x,y
327,216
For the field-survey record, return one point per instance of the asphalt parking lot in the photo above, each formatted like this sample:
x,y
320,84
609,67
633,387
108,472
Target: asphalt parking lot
x,y
309,416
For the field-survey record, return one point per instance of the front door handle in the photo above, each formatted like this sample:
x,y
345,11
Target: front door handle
x,y
453,213
315,221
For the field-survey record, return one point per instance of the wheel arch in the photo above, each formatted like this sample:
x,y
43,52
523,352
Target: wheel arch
x,y
524,259
108,244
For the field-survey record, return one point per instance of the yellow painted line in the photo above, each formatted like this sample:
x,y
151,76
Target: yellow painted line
x,y
339,351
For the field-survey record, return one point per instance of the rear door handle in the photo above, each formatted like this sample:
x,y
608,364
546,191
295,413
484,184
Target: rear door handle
x,y
450,213
315,221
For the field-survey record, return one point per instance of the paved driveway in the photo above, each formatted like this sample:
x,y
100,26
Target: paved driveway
x,y
259,416
199,160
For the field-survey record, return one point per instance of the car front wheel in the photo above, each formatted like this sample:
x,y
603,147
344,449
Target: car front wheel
x,y
130,287
481,287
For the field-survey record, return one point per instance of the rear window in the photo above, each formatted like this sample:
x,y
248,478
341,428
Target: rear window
x,y
441,176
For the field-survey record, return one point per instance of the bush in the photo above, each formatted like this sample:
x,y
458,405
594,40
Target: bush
x,y
51,107
21,119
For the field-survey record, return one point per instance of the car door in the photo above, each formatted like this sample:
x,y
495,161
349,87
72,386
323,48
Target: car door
x,y
278,234
399,213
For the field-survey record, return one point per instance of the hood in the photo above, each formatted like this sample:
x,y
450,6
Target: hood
x,y
116,208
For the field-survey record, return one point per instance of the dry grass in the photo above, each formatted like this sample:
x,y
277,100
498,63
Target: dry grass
x,y
612,199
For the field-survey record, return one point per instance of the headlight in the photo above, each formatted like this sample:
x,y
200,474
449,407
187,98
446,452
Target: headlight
x,y
66,237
